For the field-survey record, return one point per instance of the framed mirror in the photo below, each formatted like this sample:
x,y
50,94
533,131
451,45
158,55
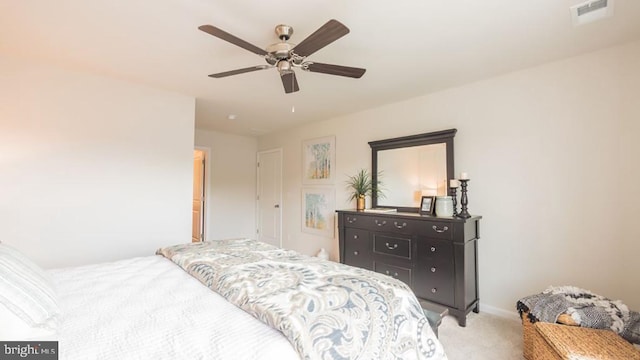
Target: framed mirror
x,y
411,167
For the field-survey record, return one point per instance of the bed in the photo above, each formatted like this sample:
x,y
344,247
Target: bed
x,y
152,308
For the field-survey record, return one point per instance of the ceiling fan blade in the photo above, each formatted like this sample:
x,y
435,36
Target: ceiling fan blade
x,y
330,69
289,81
325,35
221,34
239,71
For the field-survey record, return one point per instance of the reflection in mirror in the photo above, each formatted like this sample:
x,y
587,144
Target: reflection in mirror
x,y
411,167
413,172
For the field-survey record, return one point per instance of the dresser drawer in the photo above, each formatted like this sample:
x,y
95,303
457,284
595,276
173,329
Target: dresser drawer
x,y
429,249
388,224
357,249
357,235
437,229
396,272
392,224
356,221
436,270
437,288
392,245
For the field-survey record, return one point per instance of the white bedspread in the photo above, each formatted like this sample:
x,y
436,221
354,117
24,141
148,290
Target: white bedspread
x,y
117,311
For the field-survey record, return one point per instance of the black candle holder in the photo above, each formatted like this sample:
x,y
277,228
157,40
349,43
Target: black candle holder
x,y
464,200
454,200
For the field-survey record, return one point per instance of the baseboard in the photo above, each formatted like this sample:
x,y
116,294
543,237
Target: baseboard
x,y
512,315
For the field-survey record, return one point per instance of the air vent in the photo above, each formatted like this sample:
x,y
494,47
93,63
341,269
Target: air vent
x,y
592,6
591,11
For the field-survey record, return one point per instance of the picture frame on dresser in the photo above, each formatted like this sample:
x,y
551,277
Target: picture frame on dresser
x,y
427,205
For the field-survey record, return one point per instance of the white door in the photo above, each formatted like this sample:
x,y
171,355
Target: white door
x,y
269,204
197,212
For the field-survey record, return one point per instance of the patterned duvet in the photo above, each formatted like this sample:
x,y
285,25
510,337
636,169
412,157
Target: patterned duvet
x,y
326,310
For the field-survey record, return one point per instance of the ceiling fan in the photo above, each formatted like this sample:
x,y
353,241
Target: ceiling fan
x,y
286,56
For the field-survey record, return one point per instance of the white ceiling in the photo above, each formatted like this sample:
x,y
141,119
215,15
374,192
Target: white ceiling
x,y
409,48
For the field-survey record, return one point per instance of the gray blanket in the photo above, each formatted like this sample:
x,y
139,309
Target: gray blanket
x,y
586,309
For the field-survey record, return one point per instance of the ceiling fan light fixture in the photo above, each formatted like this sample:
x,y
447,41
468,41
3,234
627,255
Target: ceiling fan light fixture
x,y
284,66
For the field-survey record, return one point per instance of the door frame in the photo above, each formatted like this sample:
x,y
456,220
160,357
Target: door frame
x,y
279,152
206,209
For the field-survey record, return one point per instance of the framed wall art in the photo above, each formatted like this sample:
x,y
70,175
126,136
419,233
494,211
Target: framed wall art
x,y
318,160
318,207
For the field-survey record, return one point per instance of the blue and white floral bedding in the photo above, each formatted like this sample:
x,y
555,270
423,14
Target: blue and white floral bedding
x,y
327,310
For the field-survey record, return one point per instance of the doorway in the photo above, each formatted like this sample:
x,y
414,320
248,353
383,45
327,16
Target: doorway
x,y
269,201
198,207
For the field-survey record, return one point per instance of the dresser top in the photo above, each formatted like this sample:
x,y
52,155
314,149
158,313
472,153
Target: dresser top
x,y
409,215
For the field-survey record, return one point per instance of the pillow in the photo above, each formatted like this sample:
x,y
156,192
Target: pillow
x,y
28,304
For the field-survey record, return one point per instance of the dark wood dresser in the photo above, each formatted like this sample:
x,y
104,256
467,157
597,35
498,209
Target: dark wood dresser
x,y
436,256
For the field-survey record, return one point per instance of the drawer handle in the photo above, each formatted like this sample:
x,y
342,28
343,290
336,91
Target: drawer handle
x,y
433,249
356,253
381,223
434,290
395,246
433,269
355,236
351,220
395,275
399,226
444,228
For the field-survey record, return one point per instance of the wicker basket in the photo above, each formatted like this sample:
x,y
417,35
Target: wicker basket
x,y
558,342
546,341
528,332
527,337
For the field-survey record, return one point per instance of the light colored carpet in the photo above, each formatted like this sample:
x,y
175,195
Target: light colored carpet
x,y
486,337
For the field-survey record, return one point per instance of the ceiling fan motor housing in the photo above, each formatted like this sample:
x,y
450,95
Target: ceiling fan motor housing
x,y
280,50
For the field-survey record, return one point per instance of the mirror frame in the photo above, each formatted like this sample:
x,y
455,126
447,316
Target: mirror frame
x,y
437,137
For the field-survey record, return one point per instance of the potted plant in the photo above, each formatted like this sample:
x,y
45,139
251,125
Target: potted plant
x,y
360,186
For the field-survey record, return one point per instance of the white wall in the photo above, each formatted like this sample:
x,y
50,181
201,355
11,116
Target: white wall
x,y
91,169
627,193
553,156
231,199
